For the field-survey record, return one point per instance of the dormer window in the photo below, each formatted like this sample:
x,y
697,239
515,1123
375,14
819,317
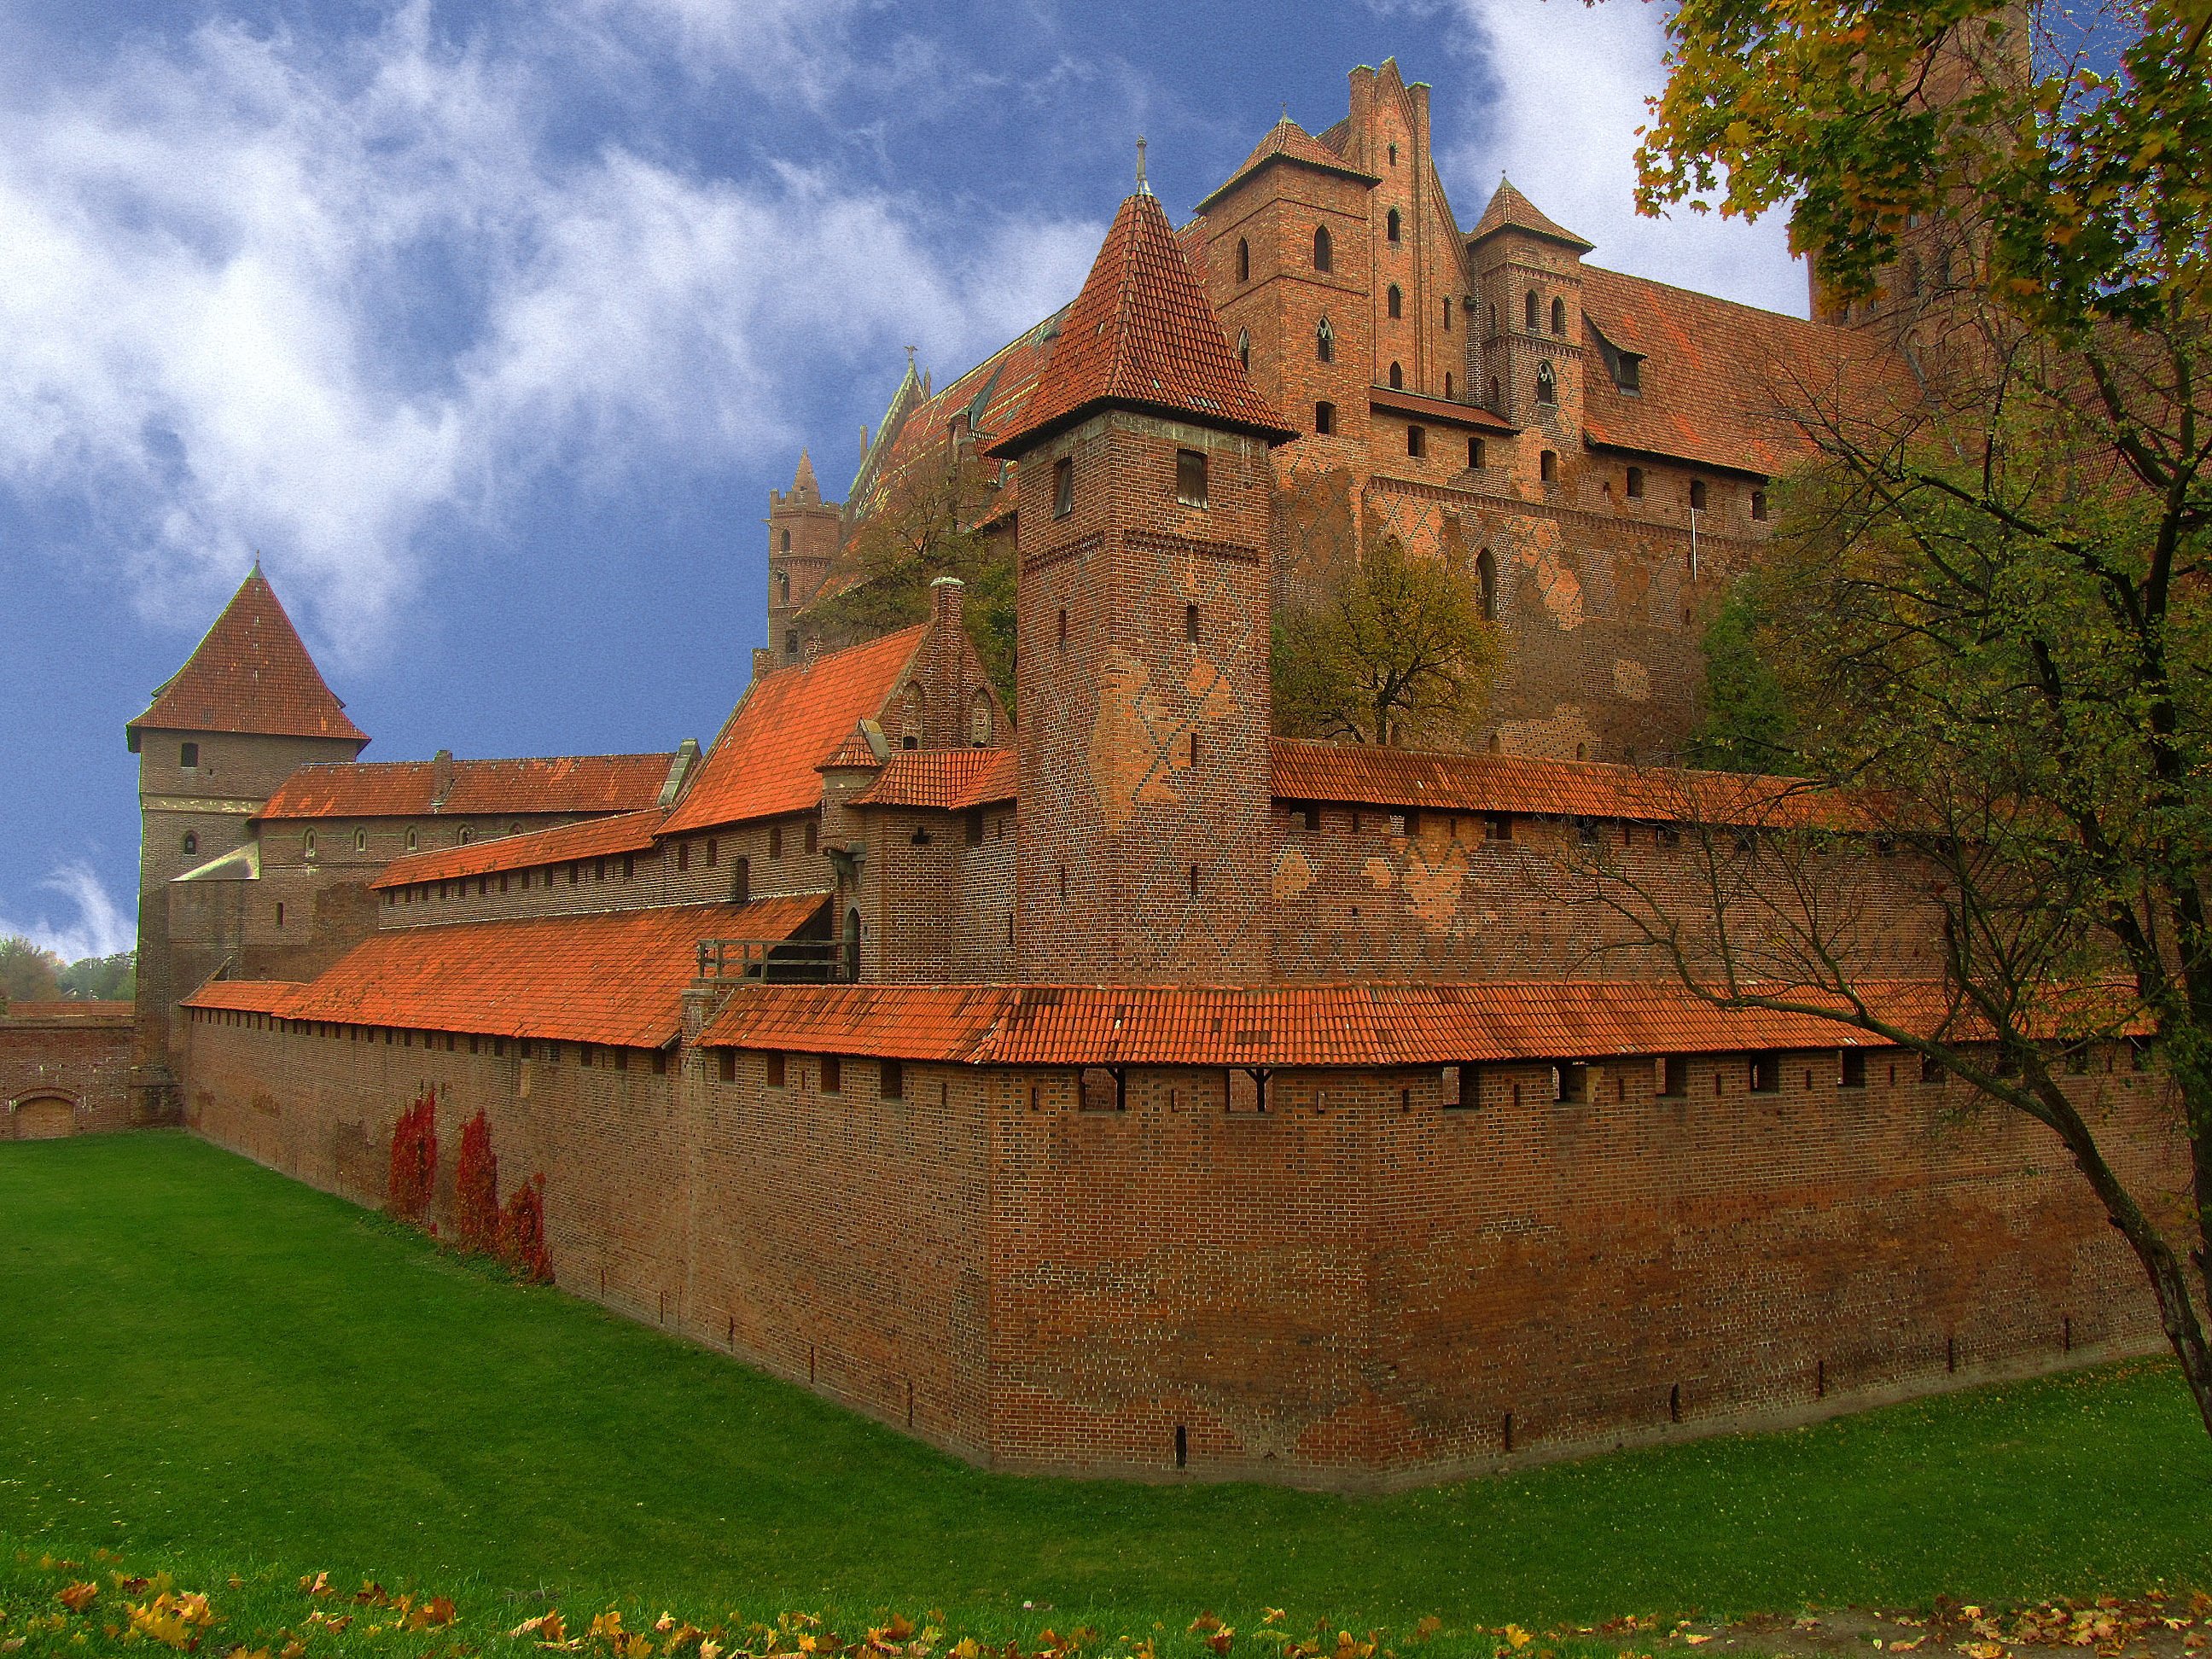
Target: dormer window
x,y
1628,375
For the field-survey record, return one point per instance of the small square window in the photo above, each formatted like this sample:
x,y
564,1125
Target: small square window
x,y
1190,477
1571,1083
1853,1072
1474,451
1674,1076
890,1079
1766,1072
726,1064
188,756
833,1074
1102,1088
1324,418
1416,442
772,1066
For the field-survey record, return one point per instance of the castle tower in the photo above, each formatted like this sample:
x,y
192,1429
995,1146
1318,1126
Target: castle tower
x,y
248,709
1142,632
1418,292
1526,355
802,539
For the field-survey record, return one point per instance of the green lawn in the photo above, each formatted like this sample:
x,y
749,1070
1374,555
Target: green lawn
x,y
206,1366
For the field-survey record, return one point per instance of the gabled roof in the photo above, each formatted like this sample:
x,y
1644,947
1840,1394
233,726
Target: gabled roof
x,y
1280,1026
594,838
1141,336
249,674
1286,140
946,780
563,784
1510,210
1722,385
767,759
612,976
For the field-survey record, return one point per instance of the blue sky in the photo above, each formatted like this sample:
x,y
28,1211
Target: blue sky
x,y
490,326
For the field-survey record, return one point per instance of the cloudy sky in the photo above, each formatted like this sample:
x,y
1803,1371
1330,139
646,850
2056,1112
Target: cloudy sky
x,y
489,326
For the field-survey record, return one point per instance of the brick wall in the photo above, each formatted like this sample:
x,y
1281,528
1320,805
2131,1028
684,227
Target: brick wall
x,y
65,1069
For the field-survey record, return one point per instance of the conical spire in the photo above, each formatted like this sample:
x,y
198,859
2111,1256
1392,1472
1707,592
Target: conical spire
x,y
802,482
250,673
1510,210
1141,336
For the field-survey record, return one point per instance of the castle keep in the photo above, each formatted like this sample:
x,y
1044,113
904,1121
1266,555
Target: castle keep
x,y
1109,1083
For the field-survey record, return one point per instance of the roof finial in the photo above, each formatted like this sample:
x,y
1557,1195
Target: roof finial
x,y
1286,109
1143,189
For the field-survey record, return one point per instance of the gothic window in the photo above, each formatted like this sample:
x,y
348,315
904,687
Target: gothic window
x,y
1324,418
1063,487
1558,316
1394,155
1548,385
192,841
1635,483
1243,260
1190,477
465,835
1397,378
1324,251
1528,309
1416,442
1486,576
414,840
1447,314
1497,394
1390,224
1447,385
307,842
786,541
1397,301
1325,342
1244,347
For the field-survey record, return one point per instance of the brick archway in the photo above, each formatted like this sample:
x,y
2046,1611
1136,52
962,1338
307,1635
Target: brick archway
x,y
42,1118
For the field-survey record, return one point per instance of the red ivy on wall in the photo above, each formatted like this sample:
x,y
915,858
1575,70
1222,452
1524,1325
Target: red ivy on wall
x,y
522,1232
415,1160
476,1188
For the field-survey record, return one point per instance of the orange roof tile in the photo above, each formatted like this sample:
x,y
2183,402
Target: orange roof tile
x,y
1310,1025
855,751
1368,775
987,400
1437,408
249,674
1141,336
1509,208
612,976
767,759
626,832
1286,140
949,780
490,788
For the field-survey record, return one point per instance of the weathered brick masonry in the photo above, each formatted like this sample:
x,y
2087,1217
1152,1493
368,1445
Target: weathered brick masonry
x,y
65,1069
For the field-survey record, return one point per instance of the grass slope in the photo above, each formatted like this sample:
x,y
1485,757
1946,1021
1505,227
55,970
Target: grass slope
x,y
202,1361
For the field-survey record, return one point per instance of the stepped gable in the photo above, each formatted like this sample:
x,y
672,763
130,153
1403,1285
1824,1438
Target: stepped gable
x,y
1286,140
1294,1025
1723,385
249,674
594,838
1140,336
612,976
768,758
578,784
947,779
1510,210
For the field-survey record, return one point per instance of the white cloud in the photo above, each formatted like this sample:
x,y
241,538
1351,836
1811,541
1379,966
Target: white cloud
x,y
1556,104
101,928
268,295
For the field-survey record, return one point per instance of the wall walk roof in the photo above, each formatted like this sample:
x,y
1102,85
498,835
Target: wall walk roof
x,y
767,759
1141,336
249,674
593,838
949,780
492,788
1313,1026
612,976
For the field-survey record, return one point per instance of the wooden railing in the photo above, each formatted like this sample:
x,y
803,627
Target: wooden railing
x,y
774,961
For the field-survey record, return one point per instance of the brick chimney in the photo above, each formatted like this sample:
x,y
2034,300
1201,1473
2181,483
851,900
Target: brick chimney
x,y
441,778
763,662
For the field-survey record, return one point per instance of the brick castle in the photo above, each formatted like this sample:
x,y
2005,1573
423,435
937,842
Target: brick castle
x,y
1110,1085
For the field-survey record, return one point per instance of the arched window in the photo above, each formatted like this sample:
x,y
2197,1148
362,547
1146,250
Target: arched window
x,y
360,841
1497,395
192,841
1325,342
1447,314
853,943
1528,309
1558,316
308,843
1548,385
785,542
741,881
1390,224
1324,418
1447,385
1697,495
1324,250
1243,260
783,587
1397,301
1486,576
464,835
414,840
1244,347
1397,378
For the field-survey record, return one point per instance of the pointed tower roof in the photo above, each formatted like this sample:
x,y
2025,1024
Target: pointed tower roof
x,y
802,482
1286,140
250,673
1510,210
1141,336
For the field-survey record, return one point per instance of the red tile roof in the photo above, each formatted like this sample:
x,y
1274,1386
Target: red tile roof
x,y
612,976
1722,384
1142,336
949,780
488,788
250,673
1316,1025
788,722
1286,140
1366,775
855,751
1437,408
987,400
1510,208
626,832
